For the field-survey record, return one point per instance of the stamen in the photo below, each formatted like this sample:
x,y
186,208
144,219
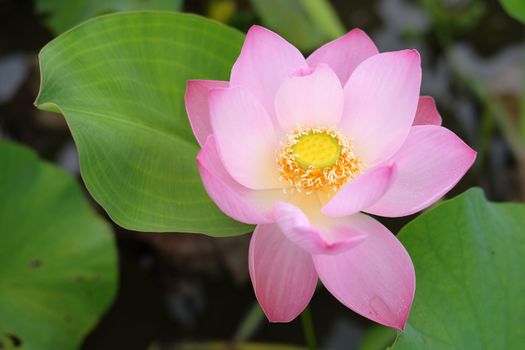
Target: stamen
x,y
317,159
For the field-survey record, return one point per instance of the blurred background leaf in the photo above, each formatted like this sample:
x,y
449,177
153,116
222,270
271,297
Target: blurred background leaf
x,y
468,254
515,8
305,23
120,80
61,15
227,346
221,10
454,17
58,261
377,338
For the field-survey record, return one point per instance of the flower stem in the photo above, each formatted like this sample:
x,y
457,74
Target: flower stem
x,y
249,324
308,329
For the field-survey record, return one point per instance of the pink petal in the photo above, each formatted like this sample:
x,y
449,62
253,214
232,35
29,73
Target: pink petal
x,y
431,162
246,137
381,98
344,54
266,60
331,236
376,279
236,201
282,274
197,106
427,113
362,192
311,100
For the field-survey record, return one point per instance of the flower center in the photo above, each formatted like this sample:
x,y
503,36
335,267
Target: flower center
x,y
317,159
316,149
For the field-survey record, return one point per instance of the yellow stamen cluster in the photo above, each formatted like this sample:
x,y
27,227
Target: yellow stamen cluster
x,y
317,159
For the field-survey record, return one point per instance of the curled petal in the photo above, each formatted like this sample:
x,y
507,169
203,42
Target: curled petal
x,y
362,192
310,100
235,200
344,54
197,106
376,279
246,137
282,274
427,113
329,236
266,60
381,98
431,162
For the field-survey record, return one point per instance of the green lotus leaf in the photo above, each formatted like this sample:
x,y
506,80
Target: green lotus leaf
x,y
119,80
469,259
58,261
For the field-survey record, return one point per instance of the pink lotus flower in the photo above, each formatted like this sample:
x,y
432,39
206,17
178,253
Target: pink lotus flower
x,y
300,147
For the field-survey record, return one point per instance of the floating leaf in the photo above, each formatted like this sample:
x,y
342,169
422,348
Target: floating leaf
x,y
61,15
469,260
120,81
58,264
